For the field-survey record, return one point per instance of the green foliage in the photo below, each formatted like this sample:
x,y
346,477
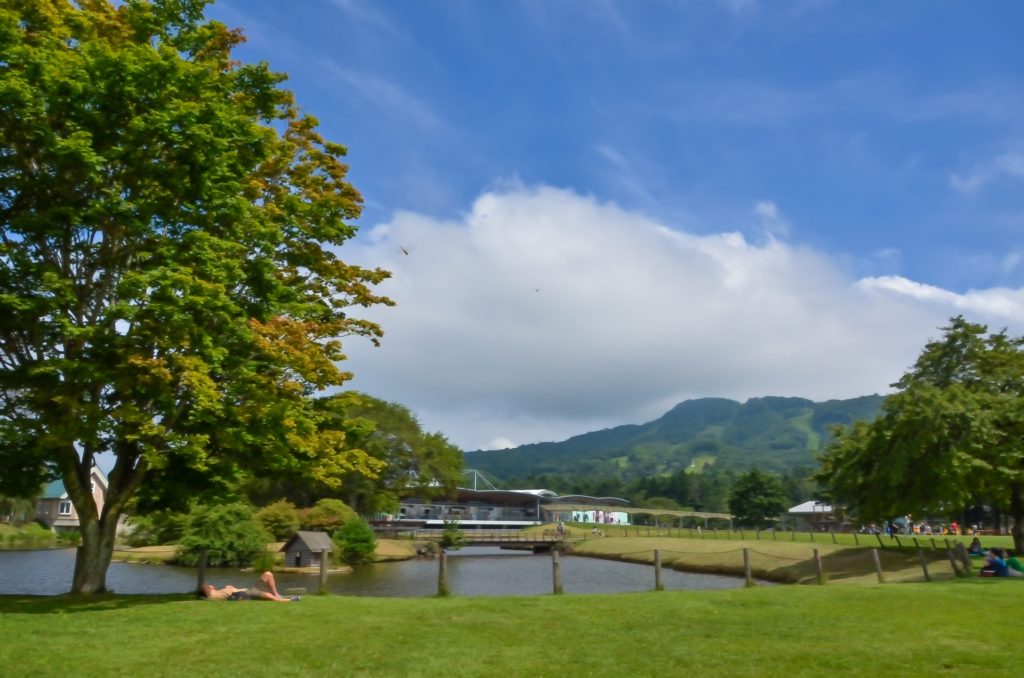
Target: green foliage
x,y
411,461
229,533
355,541
280,519
756,499
453,538
70,537
17,510
29,536
327,516
951,435
155,529
170,288
264,562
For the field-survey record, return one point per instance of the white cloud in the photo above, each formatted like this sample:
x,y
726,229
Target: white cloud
x,y
739,6
771,220
389,97
1009,164
362,11
994,303
542,313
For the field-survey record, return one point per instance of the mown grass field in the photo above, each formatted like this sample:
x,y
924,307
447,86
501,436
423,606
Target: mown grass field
x,y
960,627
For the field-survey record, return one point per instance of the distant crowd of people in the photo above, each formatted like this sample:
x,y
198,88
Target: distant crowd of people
x,y
907,527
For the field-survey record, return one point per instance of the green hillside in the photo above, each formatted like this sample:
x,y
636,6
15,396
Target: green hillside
x,y
771,433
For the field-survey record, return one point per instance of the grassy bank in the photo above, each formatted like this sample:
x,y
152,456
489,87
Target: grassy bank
x,y
789,631
781,561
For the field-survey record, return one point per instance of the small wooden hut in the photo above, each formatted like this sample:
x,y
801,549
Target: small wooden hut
x,y
304,549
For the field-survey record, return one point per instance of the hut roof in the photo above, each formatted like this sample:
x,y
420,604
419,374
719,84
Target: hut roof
x,y
309,541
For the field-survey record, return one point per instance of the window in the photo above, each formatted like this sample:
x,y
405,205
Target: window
x,y
64,508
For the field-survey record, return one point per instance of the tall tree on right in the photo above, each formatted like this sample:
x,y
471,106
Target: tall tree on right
x,y
951,434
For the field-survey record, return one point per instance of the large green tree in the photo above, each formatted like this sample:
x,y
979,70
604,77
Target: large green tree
x,y
952,434
412,461
757,499
170,291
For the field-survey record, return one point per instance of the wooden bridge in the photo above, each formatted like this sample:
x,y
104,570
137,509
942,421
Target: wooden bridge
x,y
511,538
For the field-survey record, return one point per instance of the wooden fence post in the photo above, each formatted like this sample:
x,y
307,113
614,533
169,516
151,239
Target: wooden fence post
x,y
204,556
817,567
897,538
746,567
325,563
811,532
952,559
924,563
878,565
880,542
556,572
856,541
933,545
833,535
442,575
742,538
658,585
965,558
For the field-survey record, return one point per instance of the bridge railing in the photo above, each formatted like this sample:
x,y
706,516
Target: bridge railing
x,y
495,536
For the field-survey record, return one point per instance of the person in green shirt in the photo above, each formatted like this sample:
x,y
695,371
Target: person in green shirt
x,y
1013,564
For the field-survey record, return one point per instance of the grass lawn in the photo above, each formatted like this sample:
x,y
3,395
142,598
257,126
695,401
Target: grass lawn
x,y
958,627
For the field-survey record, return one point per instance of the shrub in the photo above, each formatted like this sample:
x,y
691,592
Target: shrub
x,y
70,537
264,562
280,519
328,515
154,529
355,541
228,531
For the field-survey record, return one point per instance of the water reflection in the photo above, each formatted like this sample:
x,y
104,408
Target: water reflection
x,y
473,571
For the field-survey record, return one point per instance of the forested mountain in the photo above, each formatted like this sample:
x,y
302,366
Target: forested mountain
x,y
770,433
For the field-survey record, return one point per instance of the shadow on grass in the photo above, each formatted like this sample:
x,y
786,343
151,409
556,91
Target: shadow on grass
x,y
71,604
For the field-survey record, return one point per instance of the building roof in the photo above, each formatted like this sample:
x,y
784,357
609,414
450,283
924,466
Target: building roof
x,y
56,489
587,499
811,507
309,541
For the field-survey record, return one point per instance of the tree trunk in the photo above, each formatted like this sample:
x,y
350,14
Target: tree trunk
x,y
98,527
94,555
1017,511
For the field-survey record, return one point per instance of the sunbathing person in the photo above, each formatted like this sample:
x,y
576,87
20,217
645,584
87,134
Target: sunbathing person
x,y
265,589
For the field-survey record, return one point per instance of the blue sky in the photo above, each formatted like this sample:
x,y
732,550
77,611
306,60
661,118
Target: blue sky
x,y
612,206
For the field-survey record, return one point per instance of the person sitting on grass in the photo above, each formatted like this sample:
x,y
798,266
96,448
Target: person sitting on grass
x,y
975,548
265,589
995,565
1013,564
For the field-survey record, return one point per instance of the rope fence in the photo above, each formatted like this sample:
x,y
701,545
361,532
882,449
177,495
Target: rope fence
x,y
815,566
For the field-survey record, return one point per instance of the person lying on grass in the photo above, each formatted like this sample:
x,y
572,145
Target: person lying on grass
x,y
265,589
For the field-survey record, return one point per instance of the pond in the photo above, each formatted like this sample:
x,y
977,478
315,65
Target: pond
x,y
472,571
